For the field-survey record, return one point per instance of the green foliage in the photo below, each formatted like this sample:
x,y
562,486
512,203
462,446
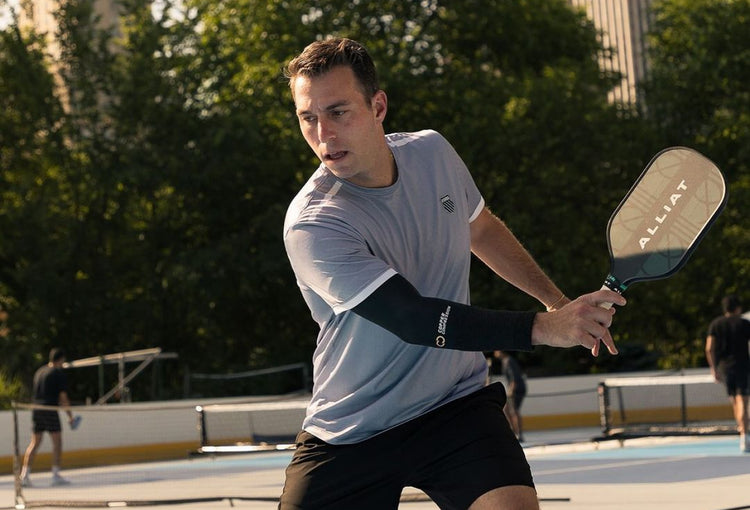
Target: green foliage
x,y
697,96
143,191
11,389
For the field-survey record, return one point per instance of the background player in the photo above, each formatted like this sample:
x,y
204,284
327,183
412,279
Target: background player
x,y
50,389
727,355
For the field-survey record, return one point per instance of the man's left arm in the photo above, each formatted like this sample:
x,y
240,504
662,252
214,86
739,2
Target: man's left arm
x,y
62,396
496,246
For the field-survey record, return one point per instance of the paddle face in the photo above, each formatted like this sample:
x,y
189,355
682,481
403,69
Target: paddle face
x,y
661,220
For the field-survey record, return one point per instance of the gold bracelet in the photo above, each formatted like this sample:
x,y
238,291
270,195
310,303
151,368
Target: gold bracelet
x,y
553,305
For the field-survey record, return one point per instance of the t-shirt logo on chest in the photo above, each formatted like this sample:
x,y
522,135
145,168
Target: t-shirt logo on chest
x,y
448,204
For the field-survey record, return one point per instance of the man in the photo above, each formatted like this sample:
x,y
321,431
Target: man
x,y
50,389
505,364
380,240
727,355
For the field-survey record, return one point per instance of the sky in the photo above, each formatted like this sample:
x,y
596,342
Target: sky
x,y
5,6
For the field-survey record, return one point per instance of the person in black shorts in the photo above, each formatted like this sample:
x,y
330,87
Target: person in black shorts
x,y
502,363
727,355
451,453
50,389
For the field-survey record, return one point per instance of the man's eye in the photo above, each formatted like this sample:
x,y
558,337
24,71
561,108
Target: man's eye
x,y
308,118
338,113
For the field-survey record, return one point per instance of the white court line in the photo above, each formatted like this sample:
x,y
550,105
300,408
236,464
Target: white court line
x,y
597,467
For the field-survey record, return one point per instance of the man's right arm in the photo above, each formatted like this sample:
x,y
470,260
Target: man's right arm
x,y
399,308
583,324
64,402
711,355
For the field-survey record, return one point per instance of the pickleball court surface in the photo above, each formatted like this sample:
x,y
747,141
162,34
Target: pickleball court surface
x,y
571,472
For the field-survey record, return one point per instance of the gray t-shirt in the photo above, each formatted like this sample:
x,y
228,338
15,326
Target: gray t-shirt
x,y
343,242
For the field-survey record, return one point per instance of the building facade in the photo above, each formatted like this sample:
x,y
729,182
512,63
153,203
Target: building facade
x,y
623,25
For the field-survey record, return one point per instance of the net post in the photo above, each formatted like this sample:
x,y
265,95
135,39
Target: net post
x,y
603,393
683,405
100,372
621,404
18,489
202,426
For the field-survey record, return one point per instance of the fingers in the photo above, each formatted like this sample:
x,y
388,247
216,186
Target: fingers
x,y
582,322
592,314
605,298
595,348
608,341
605,321
607,337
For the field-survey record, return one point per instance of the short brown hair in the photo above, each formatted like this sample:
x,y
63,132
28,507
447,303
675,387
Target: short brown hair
x,y
321,56
56,354
731,303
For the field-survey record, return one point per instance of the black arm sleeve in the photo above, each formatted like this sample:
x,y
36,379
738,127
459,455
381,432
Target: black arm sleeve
x,y
399,308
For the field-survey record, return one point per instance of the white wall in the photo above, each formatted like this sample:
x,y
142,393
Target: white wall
x,y
126,425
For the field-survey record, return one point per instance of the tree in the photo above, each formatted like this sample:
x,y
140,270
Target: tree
x,y
697,96
31,155
143,206
514,85
160,230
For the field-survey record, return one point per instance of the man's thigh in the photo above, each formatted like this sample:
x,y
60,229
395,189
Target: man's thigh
x,y
737,382
515,497
743,383
467,450
343,477
45,420
456,453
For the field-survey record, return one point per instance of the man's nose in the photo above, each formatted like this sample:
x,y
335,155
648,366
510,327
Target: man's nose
x,y
326,130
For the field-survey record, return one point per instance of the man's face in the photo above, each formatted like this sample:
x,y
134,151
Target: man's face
x,y
343,128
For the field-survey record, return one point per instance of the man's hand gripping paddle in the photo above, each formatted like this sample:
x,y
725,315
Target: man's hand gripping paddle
x,y
663,217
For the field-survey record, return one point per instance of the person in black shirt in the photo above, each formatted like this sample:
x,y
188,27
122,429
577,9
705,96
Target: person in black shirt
x,y
727,355
50,389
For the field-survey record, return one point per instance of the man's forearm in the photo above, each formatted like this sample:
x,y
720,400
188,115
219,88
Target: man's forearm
x,y
399,308
495,245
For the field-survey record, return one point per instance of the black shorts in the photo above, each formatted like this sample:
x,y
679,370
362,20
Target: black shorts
x,y
45,420
736,381
518,399
454,454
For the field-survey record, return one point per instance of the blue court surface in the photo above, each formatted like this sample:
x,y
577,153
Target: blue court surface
x,y
570,470
645,461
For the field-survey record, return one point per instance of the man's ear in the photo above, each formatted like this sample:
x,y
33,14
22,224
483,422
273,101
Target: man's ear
x,y
380,105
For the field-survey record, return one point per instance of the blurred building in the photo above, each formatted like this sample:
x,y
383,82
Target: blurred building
x,y
623,25
41,15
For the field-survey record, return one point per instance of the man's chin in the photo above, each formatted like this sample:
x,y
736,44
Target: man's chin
x,y
337,170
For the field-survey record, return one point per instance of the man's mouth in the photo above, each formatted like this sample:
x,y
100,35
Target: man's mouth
x,y
334,156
